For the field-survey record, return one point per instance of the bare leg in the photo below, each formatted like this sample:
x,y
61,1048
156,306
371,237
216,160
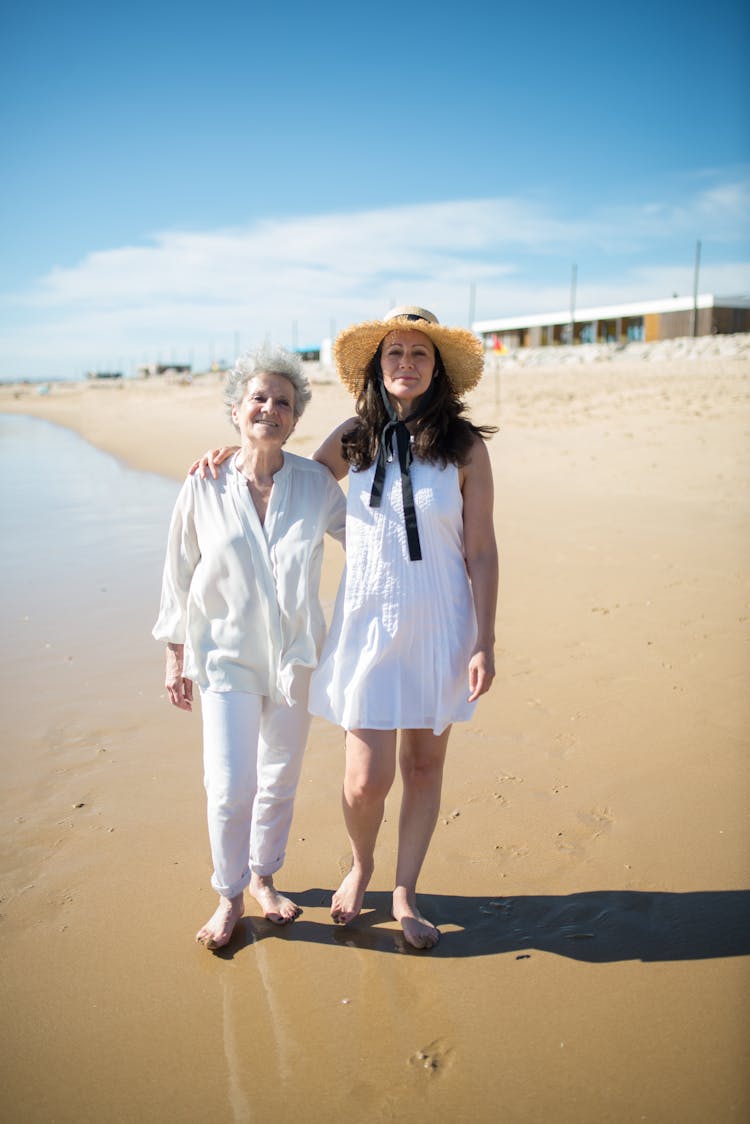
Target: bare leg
x,y
421,757
370,769
218,930
275,906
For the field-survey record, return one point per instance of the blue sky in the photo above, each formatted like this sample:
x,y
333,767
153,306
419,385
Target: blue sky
x,y
180,180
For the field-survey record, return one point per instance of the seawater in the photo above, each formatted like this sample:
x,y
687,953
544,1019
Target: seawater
x,y
83,539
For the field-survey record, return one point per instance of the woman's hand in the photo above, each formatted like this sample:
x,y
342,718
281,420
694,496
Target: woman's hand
x,y
211,460
481,673
179,689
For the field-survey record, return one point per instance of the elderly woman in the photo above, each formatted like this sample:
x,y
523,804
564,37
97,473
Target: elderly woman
x,y
411,645
241,618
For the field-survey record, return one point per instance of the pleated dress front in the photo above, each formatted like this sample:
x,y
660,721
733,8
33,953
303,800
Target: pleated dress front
x,y
397,653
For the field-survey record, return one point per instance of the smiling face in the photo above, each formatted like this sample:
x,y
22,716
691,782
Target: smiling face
x,y
407,360
265,417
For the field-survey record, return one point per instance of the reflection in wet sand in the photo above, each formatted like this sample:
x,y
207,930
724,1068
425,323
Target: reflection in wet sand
x,y
236,1065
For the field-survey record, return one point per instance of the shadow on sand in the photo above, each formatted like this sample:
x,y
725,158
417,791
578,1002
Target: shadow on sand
x,y
600,927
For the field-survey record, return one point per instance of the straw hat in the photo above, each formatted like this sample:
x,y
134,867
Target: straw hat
x,y
461,350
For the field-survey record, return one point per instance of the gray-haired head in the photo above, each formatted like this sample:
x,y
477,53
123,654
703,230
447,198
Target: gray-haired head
x,y
271,359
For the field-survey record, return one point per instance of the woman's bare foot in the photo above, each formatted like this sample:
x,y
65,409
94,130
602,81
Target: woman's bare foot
x,y
418,931
217,932
348,899
275,906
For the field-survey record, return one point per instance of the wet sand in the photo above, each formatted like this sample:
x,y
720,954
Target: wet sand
x,y
590,866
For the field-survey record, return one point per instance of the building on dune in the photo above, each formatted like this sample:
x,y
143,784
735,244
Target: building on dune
x,y
156,370
648,321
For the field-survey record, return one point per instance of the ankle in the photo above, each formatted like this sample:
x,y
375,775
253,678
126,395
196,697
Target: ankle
x,y
405,897
363,867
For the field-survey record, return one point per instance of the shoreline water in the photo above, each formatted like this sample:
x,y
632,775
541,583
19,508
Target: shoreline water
x,y
589,869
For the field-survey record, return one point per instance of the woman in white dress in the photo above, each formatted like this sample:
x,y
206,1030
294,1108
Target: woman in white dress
x,y
411,644
241,617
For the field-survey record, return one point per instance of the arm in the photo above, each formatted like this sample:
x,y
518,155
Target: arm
x,y
182,557
329,452
179,689
336,520
211,460
480,551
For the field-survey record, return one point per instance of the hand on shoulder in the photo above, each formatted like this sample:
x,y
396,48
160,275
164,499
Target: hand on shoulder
x,y
210,461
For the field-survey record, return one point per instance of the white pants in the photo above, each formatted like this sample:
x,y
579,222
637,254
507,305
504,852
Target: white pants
x,y
252,757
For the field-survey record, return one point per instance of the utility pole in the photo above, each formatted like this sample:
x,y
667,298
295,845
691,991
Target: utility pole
x,y
472,302
696,272
573,282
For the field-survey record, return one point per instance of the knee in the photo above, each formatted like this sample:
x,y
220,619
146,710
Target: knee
x,y
363,789
224,804
422,772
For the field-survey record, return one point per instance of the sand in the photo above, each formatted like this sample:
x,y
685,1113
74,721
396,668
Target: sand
x,y
590,866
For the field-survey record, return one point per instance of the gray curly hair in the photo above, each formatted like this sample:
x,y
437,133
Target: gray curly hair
x,y
271,359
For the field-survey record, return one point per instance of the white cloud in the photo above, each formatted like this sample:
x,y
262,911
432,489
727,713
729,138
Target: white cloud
x,y
192,294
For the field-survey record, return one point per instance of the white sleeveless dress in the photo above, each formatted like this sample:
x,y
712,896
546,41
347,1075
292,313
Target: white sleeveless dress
x,y
397,653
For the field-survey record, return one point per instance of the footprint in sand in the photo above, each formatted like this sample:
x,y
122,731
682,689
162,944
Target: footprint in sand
x,y
565,743
599,818
438,1055
591,825
512,850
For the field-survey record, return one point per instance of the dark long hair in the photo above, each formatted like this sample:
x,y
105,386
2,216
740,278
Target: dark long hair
x,y
442,434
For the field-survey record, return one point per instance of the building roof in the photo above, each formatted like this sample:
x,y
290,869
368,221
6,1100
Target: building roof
x,y
609,312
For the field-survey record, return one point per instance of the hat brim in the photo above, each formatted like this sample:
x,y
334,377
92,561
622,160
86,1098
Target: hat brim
x,y
462,352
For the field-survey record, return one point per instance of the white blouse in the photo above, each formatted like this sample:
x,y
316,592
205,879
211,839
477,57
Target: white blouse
x,y
243,596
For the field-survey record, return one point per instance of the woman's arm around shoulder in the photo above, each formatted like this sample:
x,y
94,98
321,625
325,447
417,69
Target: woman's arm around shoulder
x,y
330,453
480,549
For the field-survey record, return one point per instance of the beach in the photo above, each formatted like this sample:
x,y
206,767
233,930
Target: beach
x,y
590,870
